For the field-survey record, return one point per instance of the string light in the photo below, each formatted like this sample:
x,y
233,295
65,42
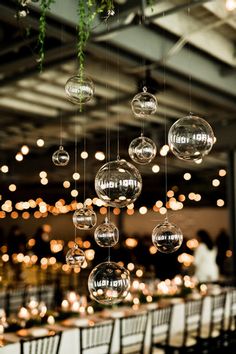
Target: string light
x,y
76,176
84,155
143,210
40,142
220,203
19,156
4,169
24,149
43,174
222,173
12,188
187,176
100,156
155,168
66,184
230,5
215,183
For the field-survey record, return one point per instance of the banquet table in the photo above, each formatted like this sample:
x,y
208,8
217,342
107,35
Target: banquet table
x,y
70,333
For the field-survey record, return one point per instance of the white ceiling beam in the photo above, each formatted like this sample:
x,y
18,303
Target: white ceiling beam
x,y
218,9
196,32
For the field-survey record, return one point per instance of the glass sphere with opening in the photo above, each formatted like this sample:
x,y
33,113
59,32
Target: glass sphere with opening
x,y
118,183
84,218
167,237
109,283
190,138
106,234
75,257
60,157
79,89
144,104
142,150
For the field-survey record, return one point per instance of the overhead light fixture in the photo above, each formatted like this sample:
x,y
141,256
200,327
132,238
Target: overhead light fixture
x,y
230,5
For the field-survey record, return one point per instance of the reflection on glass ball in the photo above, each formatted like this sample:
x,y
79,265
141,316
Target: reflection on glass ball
x,y
75,257
144,104
167,237
84,218
60,157
106,234
190,138
79,89
142,150
118,183
109,283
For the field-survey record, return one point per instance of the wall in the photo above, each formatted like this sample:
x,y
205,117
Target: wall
x,y
188,219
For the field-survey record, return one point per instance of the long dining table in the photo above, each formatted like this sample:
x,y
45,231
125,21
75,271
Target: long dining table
x,y
70,328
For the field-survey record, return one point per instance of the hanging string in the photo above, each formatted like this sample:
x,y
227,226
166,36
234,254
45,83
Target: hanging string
x,y
75,165
165,132
118,97
189,68
84,172
60,113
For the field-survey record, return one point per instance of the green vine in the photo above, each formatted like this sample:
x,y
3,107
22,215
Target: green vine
x,y
44,6
87,11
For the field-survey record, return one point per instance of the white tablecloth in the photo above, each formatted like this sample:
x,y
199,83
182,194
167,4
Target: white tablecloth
x,y
70,337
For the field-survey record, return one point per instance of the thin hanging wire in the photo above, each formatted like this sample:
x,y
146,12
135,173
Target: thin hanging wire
x,y
108,140
75,167
84,172
118,97
165,133
61,137
189,68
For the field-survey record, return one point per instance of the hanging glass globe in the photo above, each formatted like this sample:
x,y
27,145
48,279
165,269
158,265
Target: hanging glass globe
x,y
75,257
142,150
60,157
167,237
190,138
144,104
109,283
106,234
84,218
118,183
79,90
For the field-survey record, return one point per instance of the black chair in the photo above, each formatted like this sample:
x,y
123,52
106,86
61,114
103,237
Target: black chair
x,y
95,337
43,345
184,342
132,333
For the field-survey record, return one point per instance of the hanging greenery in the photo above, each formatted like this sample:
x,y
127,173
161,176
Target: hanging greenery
x,y
44,6
87,11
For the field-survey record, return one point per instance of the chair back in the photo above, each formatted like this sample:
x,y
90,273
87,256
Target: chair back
x,y
132,333
217,312
97,338
232,315
160,319
193,313
43,345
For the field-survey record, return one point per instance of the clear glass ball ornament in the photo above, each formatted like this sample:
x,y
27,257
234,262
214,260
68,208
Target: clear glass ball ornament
x,y
167,237
190,138
84,218
118,183
144,104
60,157
109,283
142,150
75,257
79,89
106,234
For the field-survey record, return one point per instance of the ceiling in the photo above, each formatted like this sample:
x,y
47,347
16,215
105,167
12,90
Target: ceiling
x,y
183,51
